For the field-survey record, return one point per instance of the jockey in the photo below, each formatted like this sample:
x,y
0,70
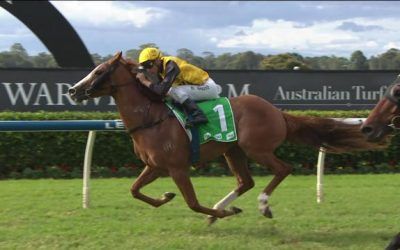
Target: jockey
x,y
182,81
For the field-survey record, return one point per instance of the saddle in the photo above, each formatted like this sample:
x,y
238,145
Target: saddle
x,y
220,126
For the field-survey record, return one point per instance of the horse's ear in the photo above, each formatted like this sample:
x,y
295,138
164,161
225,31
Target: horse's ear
x,y
119,54
116,57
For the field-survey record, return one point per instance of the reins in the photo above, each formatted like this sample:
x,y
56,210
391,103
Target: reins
x,y
149,124
145,124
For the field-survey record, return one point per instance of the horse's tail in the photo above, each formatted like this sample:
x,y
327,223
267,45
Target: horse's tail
x,y
334,135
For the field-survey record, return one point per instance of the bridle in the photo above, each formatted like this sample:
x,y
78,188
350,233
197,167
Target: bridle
x,y
106,75
394,98
390,95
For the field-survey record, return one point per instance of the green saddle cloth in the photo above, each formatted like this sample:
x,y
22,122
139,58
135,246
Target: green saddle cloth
x,y
221,123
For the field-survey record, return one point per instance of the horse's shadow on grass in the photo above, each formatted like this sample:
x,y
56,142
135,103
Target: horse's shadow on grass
x,y
334,239
347,239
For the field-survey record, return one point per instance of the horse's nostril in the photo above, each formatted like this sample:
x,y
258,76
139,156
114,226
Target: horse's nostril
x,y
366,130
71,91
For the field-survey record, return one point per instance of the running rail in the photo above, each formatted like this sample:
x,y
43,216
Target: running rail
x,y
117,125
69,125
321,159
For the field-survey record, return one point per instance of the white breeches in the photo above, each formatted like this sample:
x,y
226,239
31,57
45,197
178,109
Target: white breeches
x,y
209,90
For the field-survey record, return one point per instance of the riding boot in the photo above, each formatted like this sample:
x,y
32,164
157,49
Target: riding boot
x,y
194,113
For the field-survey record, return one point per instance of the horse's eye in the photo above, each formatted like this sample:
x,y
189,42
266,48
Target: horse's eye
x,y
98,72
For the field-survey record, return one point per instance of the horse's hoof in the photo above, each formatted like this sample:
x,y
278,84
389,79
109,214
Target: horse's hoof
x,y
236,210
211,220
169,195
267,212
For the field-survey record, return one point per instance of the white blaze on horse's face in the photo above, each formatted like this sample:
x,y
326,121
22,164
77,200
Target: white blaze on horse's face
x,y
78,91
87,79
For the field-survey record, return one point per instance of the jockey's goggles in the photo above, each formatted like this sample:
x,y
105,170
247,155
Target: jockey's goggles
x,y
147,64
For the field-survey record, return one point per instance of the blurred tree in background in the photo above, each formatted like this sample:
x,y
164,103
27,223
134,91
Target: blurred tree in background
x,y
328,62
246,60
17,57
283,61
358,61
388,60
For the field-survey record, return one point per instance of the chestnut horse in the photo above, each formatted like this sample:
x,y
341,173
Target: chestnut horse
x,y
161,143
385,116
384,119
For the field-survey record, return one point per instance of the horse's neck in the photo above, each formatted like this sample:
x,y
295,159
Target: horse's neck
x,y
132,105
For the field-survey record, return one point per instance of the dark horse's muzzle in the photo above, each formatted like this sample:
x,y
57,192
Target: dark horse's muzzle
x,y
376,132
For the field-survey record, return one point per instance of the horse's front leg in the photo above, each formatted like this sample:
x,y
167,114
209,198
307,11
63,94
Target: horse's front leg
x,y
147,176
182,180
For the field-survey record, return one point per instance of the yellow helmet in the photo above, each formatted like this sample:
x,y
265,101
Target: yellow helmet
x,y
149,54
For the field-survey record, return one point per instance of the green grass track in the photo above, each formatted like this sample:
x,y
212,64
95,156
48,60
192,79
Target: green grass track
x,y
359,212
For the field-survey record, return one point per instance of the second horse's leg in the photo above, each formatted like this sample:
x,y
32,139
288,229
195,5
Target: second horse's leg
x,y
237,162
280,170
182,179
147,176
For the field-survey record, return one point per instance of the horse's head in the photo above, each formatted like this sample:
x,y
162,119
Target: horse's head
x,y
107,77
385,116
104,79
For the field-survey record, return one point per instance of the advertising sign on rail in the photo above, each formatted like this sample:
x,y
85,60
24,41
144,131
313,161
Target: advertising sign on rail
x,y
46,89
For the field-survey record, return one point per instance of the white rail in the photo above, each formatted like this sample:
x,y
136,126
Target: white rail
x,y
321,160
69,125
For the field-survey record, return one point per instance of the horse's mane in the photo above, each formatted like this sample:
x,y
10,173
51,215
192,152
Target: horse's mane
x,y
132,65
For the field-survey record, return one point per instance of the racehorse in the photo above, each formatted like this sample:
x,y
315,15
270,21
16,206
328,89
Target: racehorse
x,y
384,119
161,142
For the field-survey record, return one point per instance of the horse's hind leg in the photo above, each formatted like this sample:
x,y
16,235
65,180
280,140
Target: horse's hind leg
x,y
147,176
237,162
280,170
